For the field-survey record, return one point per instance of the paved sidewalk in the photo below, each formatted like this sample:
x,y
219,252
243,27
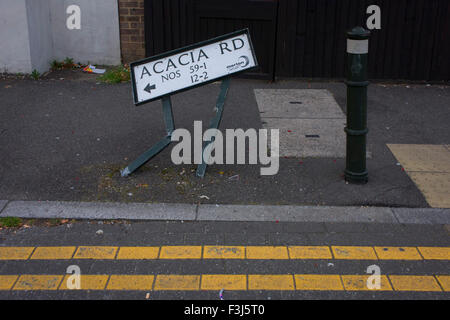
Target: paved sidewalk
x,y
67,140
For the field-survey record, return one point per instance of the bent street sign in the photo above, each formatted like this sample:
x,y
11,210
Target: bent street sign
x,y
192,66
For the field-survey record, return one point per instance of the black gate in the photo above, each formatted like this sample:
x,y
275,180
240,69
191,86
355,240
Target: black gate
x,y
412,44
306,38
213,18
176,23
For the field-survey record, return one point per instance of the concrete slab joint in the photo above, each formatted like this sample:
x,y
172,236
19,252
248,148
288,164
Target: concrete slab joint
x,y
3,204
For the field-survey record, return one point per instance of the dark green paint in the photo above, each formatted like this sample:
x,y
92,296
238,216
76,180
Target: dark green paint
x,y
357,82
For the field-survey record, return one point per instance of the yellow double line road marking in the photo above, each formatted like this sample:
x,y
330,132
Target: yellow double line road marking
x,y
231,282
226,252
331,282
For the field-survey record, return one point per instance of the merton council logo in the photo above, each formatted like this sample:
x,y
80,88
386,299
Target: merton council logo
x,y
243,62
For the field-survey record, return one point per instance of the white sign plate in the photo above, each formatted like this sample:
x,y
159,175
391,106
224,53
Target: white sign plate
x,y
357,46
192,66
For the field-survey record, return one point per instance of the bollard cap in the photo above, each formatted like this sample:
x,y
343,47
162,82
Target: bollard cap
x,y
358,33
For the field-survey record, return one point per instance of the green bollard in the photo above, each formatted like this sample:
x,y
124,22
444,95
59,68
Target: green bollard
x,y
357,52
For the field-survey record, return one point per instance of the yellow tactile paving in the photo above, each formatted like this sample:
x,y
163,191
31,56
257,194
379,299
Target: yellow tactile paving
x,y
87,282
177,282
53,253
414,283
95,253
429,168
15,253
354,253
138,253
445,282
224,281
434,186
223,252
318,282
267,252
38,282
435,253
359,283
6,282
397,253
181,252
309,252
270,282
422,157
130,282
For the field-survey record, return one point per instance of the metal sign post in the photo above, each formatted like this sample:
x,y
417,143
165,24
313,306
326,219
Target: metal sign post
x,y
215,122
160,76
158,147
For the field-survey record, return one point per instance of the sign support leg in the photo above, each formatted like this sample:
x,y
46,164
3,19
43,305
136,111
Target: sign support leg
x,y
201,169
159,146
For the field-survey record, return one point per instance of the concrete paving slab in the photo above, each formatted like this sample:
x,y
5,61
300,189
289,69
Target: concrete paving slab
x,y
422,215
297,103
311,122
295,213
92,210
310,138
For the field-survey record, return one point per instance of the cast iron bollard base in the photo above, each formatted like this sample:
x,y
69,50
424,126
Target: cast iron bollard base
x,y
357,51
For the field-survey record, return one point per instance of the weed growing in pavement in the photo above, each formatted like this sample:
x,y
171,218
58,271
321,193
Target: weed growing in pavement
x,y
10,222
62,65
68,63
116,75
35,74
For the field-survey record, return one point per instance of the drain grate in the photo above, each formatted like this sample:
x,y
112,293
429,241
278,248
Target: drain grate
x,y
312,136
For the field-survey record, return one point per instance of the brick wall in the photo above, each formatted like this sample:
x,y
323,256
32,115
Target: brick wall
x,y
132,31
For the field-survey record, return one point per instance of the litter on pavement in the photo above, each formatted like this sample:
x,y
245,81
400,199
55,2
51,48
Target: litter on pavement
x,y
92,69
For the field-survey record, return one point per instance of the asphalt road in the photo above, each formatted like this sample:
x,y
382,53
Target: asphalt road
x,y
181,248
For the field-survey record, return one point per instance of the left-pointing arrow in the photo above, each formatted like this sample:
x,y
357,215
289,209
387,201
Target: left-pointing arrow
x,y
149,88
